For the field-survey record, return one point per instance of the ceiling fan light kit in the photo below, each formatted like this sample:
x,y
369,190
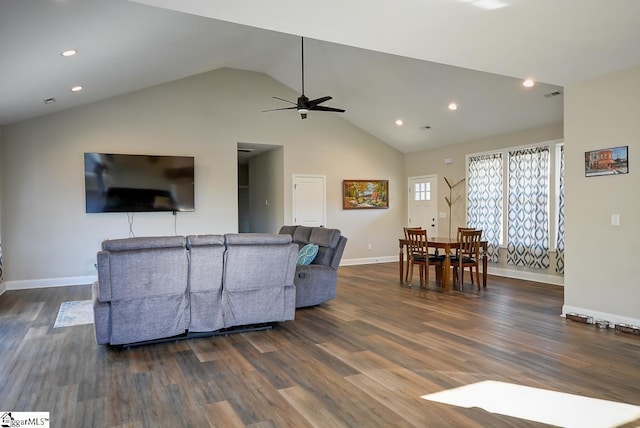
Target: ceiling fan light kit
x,y
304,104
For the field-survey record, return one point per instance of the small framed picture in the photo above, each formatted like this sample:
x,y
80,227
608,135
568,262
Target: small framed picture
x,y
610,161
365,194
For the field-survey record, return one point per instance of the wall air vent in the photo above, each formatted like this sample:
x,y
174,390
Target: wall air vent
x,y
553,94
245,150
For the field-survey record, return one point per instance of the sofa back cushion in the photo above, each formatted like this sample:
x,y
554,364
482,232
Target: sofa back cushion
x,y
327,240
206,252
258,278
302,234
258,260
143,267
205,281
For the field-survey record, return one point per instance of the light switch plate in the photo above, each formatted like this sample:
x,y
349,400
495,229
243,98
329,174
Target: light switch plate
x,y
615,219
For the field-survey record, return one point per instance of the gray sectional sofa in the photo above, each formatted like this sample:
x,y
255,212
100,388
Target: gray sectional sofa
x,y
152,288
316,282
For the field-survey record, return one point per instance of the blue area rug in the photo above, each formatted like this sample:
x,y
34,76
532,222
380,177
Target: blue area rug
x,y
77,312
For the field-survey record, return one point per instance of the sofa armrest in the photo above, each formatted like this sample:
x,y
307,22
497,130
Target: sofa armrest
x,y
103,285
337,255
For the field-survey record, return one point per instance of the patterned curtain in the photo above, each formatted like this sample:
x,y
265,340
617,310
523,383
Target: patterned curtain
x,y
528,207
484,199
560,241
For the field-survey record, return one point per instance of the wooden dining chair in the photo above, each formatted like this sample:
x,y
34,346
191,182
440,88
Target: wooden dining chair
x,y
467,255
406,249
455,255
419,255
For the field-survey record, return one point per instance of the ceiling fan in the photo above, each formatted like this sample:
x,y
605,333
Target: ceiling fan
x,y
304,104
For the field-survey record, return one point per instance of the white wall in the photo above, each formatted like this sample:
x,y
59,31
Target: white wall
x,y
601,276
49,239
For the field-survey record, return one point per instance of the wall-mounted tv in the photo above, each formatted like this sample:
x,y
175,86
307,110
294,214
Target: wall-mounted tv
x,y
138,183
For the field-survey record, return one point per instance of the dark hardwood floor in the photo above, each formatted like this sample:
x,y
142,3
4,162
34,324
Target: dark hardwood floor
x,y
361,360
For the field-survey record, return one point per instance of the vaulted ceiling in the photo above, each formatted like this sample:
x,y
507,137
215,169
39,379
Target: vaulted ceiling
x,y
381,61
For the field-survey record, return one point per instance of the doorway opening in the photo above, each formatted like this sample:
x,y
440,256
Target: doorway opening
x,y
260,187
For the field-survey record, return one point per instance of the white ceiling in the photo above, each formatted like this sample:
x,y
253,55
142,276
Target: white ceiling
x,y
380,60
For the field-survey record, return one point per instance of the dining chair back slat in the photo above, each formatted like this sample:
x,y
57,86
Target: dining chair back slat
x,y
418,255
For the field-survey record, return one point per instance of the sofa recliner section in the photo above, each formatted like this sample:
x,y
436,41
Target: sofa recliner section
x,y
141,292
253,290
316,283
152,288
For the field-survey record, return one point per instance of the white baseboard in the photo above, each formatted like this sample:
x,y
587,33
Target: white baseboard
x,y
50,282
597,315
498,271
527,276
3,287
368,260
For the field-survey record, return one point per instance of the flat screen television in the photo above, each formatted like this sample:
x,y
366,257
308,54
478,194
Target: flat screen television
x,y
138,183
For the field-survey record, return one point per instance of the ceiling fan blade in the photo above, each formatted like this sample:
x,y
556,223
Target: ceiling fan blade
x,y
283,108
304,105
286,101
323,108
317,101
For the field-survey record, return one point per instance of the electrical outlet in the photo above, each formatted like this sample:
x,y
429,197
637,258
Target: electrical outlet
x,y
369,246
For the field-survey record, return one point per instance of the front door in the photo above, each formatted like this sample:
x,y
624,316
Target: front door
x,y
423,203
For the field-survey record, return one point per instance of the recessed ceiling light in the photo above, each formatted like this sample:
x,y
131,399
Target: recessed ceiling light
x,y
489,4
528,83
453,106
399,122
70,52
76,88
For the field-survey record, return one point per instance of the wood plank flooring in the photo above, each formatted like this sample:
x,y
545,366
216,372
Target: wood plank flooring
x,y
361,360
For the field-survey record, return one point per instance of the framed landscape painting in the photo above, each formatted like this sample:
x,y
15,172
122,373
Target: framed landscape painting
x,y
610,161
365,194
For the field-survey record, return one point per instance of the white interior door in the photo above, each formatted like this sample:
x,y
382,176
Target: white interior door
x,y
309,200
423,203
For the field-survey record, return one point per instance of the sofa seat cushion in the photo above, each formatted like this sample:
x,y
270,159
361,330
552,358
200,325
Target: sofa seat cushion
x,y
307,254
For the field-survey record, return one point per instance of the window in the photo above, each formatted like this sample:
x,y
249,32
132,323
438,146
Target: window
x,y
422,192
517,182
